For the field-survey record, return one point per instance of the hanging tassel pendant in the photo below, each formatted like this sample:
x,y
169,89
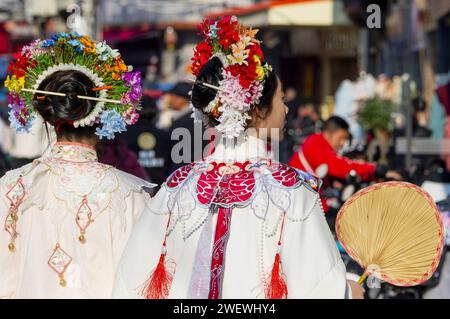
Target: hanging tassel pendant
x,y
58,262
15,196
83,219
158,284
276,283
276,287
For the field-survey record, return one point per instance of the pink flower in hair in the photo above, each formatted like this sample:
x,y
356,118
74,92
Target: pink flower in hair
x,y
234,94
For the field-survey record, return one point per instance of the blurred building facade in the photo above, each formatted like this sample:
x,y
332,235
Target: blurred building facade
x,y
313,45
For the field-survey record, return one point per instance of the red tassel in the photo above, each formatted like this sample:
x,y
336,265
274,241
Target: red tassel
x,y
276,287
159,282
276,284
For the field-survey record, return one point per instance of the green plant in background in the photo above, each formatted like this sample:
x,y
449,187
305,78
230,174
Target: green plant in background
x,y
376,114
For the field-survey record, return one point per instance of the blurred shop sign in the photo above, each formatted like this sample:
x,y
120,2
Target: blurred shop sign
x,y
4,16
423,146
340,41
302,36
41,8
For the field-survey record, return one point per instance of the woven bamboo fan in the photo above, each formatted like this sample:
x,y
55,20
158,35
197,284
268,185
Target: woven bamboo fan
x,y
394,231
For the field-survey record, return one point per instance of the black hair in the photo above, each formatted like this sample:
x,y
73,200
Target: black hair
x,y
335,123
211,73
62,111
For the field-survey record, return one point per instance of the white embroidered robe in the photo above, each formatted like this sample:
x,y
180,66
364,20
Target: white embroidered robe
x,y
258,191
57,199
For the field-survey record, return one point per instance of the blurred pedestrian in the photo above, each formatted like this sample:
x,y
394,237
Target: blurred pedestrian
x,y
188,146
306,121
292,101
151,144
117,154
175,105
321,150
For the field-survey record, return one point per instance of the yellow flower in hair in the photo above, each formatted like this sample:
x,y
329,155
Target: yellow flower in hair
x,y
15,84
239,55
260,73
257,59
251,33
89,46
117,69
120,66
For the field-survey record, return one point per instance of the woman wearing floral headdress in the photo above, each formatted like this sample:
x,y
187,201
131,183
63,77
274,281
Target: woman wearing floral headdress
x,y
66,217
237,224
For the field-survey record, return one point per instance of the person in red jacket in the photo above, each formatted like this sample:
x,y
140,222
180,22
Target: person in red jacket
x,y
322,148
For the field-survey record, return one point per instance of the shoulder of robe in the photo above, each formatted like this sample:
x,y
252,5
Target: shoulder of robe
x,y
254,183
266,187
130,183
11,178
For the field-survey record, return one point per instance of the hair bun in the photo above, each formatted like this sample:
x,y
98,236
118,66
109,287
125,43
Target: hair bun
x,y
210,73
73,97
66,108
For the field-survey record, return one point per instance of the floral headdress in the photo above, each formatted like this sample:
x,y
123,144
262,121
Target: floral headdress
x,y
117,87
244,72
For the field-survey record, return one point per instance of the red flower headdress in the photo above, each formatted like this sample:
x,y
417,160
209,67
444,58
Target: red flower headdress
x,y
243,74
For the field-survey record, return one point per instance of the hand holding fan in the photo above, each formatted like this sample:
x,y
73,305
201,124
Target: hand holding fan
x,y
394,231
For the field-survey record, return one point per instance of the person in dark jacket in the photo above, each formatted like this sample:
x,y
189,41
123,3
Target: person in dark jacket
x,y
187,143
151,145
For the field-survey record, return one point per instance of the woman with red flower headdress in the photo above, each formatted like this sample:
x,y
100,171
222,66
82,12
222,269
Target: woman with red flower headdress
x,y
237,224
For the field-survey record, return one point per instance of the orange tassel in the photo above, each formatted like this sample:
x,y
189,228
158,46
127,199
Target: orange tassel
x,y
100,88
277,287
159,282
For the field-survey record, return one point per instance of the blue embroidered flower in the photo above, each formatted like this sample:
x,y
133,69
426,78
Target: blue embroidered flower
x,y
77,45
213,31
112,122
64,35
59,35
48,43
17,126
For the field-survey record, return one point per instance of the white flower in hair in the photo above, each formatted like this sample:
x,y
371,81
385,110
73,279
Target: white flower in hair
x,y
232,122
104,51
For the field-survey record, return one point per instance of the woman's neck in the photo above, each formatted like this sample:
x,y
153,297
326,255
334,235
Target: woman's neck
x,y
91,141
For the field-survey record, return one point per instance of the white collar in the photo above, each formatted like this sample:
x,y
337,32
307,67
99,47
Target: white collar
x,y
72,151
245,147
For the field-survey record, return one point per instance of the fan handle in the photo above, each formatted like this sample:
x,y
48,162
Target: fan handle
x,y
362,278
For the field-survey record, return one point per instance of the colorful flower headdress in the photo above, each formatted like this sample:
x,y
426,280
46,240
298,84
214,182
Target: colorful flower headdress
x,y
117,87
244,72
